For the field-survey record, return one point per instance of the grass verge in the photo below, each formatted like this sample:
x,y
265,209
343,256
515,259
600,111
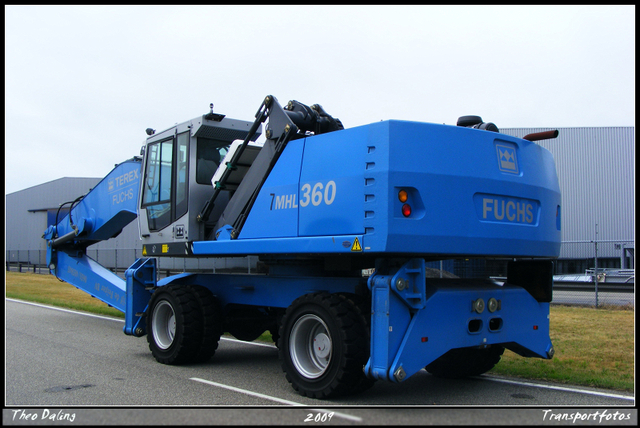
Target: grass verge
x,y
594,347
49,290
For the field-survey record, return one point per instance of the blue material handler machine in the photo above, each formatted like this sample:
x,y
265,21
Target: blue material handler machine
x,y
345,223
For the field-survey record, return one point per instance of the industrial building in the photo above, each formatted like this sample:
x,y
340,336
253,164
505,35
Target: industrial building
x,y
596,171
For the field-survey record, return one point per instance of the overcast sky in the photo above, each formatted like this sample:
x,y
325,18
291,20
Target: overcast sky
x,y
82,83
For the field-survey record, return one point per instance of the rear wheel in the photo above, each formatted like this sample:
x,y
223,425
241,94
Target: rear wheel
x,y
174,325
324,346
465,362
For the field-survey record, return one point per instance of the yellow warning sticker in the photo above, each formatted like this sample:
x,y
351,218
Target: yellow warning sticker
x,y
165,248
356,245
144,250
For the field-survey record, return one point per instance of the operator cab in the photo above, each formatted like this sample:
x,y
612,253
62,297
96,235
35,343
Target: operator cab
x,y
177,172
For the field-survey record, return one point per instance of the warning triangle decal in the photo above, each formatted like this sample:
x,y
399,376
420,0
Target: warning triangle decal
x,y
356,245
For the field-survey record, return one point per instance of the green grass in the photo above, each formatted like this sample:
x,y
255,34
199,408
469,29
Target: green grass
x,y
49,290
594,347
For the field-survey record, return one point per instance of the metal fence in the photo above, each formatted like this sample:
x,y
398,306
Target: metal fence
x,y
119,260
596,273
593,273
578,256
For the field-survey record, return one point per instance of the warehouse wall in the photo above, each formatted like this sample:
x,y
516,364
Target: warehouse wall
x,y
26,214
596,172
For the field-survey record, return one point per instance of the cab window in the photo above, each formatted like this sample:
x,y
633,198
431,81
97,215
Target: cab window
x,y
209,155
156,197
166,183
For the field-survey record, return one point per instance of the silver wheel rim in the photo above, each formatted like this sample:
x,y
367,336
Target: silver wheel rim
x,y
310,346
164,324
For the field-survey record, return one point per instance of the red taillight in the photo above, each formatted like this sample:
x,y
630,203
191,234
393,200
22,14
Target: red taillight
x,y
406,210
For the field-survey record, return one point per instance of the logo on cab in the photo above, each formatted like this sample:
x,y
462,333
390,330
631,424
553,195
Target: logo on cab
x,y
507,159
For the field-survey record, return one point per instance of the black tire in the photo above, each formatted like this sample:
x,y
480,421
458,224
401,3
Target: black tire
x,y
336,367
174,325
275,336
363,303
211,323
465,362
246,324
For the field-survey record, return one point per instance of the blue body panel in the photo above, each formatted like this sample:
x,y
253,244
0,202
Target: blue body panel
x,y
449,168
278,213
411,328
472,193
331,186
276,291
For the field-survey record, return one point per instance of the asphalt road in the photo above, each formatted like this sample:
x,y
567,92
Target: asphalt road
x,y
63,363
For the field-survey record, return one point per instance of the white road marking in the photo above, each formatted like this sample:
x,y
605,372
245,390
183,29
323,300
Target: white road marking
x,y
558,388
71,311
275,399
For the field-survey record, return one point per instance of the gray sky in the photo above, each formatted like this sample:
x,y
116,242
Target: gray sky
x,y
82,83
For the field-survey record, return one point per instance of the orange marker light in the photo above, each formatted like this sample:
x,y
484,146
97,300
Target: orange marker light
x,y
403,196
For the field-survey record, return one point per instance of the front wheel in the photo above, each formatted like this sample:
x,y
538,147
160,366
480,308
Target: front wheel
x,y
324,345
174,325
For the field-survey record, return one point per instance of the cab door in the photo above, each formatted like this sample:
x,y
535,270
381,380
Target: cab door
x,y
164,189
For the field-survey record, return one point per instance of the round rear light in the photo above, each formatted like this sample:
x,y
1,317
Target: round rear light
x,y
406,210
403,196
492,305
478,305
